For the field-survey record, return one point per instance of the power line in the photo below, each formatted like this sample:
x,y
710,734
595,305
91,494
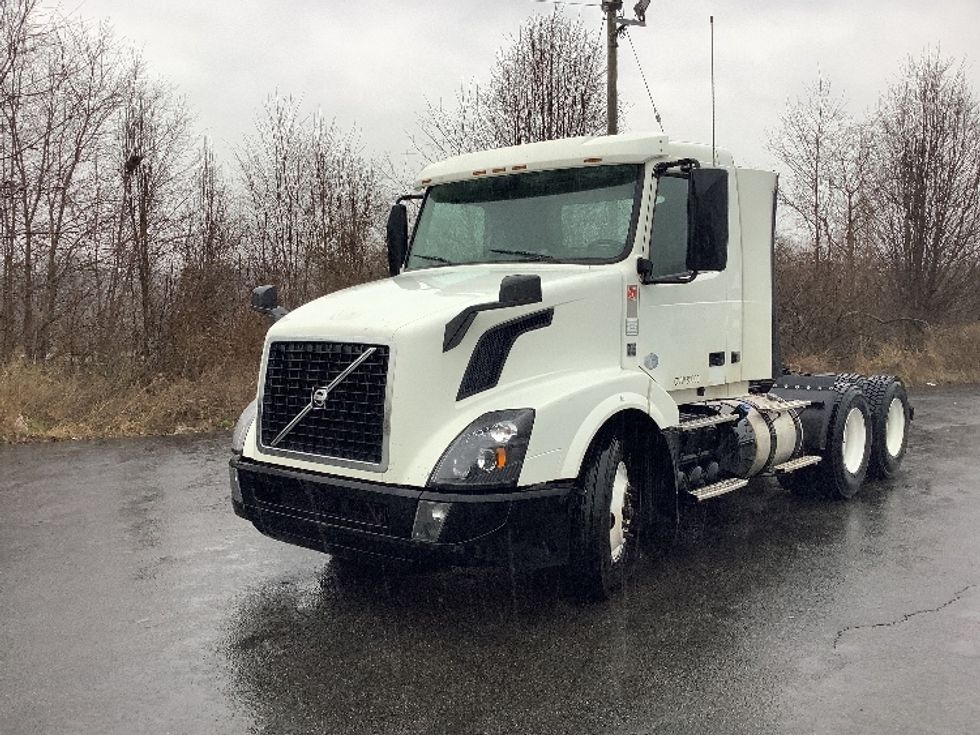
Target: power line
x,y
656,112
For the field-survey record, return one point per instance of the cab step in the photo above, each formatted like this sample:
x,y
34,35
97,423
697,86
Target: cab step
x,y
719,488
794,405
796,464
703,422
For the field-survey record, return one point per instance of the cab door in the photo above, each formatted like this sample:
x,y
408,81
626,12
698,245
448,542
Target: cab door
x,y
690,333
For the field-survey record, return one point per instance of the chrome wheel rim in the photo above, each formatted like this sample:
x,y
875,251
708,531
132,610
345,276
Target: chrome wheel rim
x,y
619,510
855,441
895,427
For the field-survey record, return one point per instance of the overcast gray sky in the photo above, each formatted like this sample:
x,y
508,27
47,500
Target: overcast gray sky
x,y
373,64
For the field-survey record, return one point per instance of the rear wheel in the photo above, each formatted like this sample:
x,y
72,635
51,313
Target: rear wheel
x,y
606,526
890,416
845,461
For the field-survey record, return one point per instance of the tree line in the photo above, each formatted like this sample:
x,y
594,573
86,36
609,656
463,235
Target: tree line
x,y
124,243
881,237
128,249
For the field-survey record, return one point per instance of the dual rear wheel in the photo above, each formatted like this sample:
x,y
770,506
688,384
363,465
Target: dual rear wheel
x,y
849,445
891,414
867,438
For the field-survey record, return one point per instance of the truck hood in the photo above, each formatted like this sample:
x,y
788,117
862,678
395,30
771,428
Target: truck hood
x,y
375,311
409,314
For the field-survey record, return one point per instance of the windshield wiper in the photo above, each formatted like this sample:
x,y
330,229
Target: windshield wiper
x,y
433,258
524,253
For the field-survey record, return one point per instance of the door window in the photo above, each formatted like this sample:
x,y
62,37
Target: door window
x,y
668,236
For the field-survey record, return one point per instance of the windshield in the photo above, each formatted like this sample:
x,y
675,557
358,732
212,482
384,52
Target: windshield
x,y
582,215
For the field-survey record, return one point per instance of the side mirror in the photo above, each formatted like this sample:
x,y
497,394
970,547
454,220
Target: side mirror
x,y
397,236
518,290
707,220
265,300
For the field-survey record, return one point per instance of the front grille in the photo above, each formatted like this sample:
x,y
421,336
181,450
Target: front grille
x,y
350,426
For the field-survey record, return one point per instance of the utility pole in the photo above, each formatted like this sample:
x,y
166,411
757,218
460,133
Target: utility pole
x,y
611,9
616,24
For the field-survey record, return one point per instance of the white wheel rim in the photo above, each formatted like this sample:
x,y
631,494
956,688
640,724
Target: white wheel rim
x,y
855,441
618,526
895,427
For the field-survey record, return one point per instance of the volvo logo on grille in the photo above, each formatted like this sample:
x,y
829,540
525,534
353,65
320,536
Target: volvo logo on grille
x,y
320,398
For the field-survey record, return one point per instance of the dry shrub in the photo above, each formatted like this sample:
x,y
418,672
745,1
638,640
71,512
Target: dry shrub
x,y
831,308
47,403
947,355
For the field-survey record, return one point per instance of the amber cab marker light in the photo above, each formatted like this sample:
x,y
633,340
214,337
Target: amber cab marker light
x,y
519,167
593,160
498,170
501,457
481,172
425,182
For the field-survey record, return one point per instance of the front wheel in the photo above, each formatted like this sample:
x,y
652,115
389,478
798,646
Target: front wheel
x,y
606,522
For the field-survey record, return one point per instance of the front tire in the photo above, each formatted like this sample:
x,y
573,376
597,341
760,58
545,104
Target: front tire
x,y
605,542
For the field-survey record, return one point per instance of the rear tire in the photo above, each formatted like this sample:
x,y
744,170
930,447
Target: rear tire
x,y
605,543
849,438
890,416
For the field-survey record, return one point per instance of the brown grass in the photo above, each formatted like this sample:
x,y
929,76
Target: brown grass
x,y
38,403
947,355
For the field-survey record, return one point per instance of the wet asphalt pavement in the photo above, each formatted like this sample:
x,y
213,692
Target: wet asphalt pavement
x,y
132,600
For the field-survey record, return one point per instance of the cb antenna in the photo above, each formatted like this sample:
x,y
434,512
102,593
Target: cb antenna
x,y
714,156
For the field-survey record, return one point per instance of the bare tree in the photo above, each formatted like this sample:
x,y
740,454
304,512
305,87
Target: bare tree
x,y
273,168
313,203
813,144
547,83
153,164
59,92
829,279
211,212
927,188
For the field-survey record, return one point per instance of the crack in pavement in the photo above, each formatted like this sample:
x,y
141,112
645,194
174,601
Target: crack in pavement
x,y
956,598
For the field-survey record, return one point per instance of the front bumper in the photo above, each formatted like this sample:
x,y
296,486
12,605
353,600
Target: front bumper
x,y
526,528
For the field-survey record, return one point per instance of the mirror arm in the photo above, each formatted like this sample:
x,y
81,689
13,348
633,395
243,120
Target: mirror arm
x,y
685,165
644,268
686,277
274,314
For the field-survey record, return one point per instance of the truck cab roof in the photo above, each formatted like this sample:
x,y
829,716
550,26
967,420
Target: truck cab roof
x,y
636,147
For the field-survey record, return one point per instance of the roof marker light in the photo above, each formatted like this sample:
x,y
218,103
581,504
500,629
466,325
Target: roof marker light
x,y
481,172
426,181
498,170
593,160
519,167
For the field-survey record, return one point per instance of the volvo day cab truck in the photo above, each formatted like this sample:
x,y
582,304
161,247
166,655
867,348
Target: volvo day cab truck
x,y
577,338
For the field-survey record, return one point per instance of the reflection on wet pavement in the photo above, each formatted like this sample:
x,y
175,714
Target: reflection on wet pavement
x,y
134,601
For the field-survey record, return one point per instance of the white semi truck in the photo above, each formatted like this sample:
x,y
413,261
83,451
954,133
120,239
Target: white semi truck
x,y
577,338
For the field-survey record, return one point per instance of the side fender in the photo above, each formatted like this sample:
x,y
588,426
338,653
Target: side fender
x,y
597,419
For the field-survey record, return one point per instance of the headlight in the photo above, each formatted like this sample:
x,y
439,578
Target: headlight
x,y
489,452
242,427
